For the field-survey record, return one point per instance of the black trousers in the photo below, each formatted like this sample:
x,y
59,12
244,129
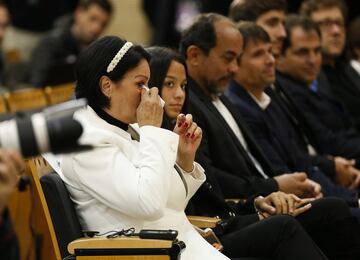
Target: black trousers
x,y
327,227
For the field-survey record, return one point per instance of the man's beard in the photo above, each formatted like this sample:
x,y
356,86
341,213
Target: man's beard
x,y
214,87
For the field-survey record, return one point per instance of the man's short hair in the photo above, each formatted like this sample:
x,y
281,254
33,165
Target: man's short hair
x,y
250,10
294,20
103,4
201,33
310,6
250,31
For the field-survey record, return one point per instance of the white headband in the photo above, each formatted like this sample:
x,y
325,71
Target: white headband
x,y
118,56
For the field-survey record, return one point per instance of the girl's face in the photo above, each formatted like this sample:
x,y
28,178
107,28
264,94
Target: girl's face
x,y
126,93
173,90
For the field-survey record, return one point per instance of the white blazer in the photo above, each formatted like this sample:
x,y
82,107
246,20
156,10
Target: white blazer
x,y
123,183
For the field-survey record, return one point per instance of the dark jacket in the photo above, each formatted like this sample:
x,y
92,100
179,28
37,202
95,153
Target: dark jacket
x,y
344,83
53,60
326,141
278,139
222,155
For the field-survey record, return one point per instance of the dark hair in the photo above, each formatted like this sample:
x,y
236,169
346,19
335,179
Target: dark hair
x,y
201,33
93,62
103,4
353,38
250,10
294,20
250,31
310,6
161,58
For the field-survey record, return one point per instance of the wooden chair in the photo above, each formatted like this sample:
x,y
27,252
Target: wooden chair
x,y
64,227
60,93
3,108
25,99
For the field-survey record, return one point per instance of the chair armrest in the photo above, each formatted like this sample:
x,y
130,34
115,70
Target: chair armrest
x,y
203,222
119,243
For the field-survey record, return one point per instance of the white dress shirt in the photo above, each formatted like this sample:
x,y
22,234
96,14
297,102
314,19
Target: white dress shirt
x,y
237,131
264,100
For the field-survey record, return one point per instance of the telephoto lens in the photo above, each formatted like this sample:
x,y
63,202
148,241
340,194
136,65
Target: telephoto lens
x,y
52,130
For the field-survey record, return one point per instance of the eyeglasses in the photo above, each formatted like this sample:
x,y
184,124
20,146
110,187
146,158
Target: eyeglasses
x,y
328,23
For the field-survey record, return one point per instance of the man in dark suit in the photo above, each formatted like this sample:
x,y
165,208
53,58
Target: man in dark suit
x,y
272,129
234,164
320,116
331,16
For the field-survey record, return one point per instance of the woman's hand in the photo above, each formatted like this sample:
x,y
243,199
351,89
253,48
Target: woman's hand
x,y
282,203
189,141
149,111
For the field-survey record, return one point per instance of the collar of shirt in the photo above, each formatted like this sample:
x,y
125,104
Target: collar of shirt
x,y
264,101
356,65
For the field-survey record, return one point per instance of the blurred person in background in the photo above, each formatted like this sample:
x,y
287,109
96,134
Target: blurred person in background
x,y
53,60
30,22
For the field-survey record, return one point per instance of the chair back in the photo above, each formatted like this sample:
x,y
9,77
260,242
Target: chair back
x,y
60,93
25,99
62,211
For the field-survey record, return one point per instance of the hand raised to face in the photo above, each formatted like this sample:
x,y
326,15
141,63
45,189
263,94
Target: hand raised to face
x,y
190,138
150,111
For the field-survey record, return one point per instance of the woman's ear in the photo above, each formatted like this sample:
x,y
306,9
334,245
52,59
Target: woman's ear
x,y
106,86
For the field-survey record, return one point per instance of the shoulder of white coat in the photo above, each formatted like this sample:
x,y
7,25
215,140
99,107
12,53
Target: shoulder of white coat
x,y
161,135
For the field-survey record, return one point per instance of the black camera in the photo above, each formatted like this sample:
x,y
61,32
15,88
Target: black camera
x,y
50,130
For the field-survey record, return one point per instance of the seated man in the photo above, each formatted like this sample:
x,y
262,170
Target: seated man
x,y
331,16
273,131
53,60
